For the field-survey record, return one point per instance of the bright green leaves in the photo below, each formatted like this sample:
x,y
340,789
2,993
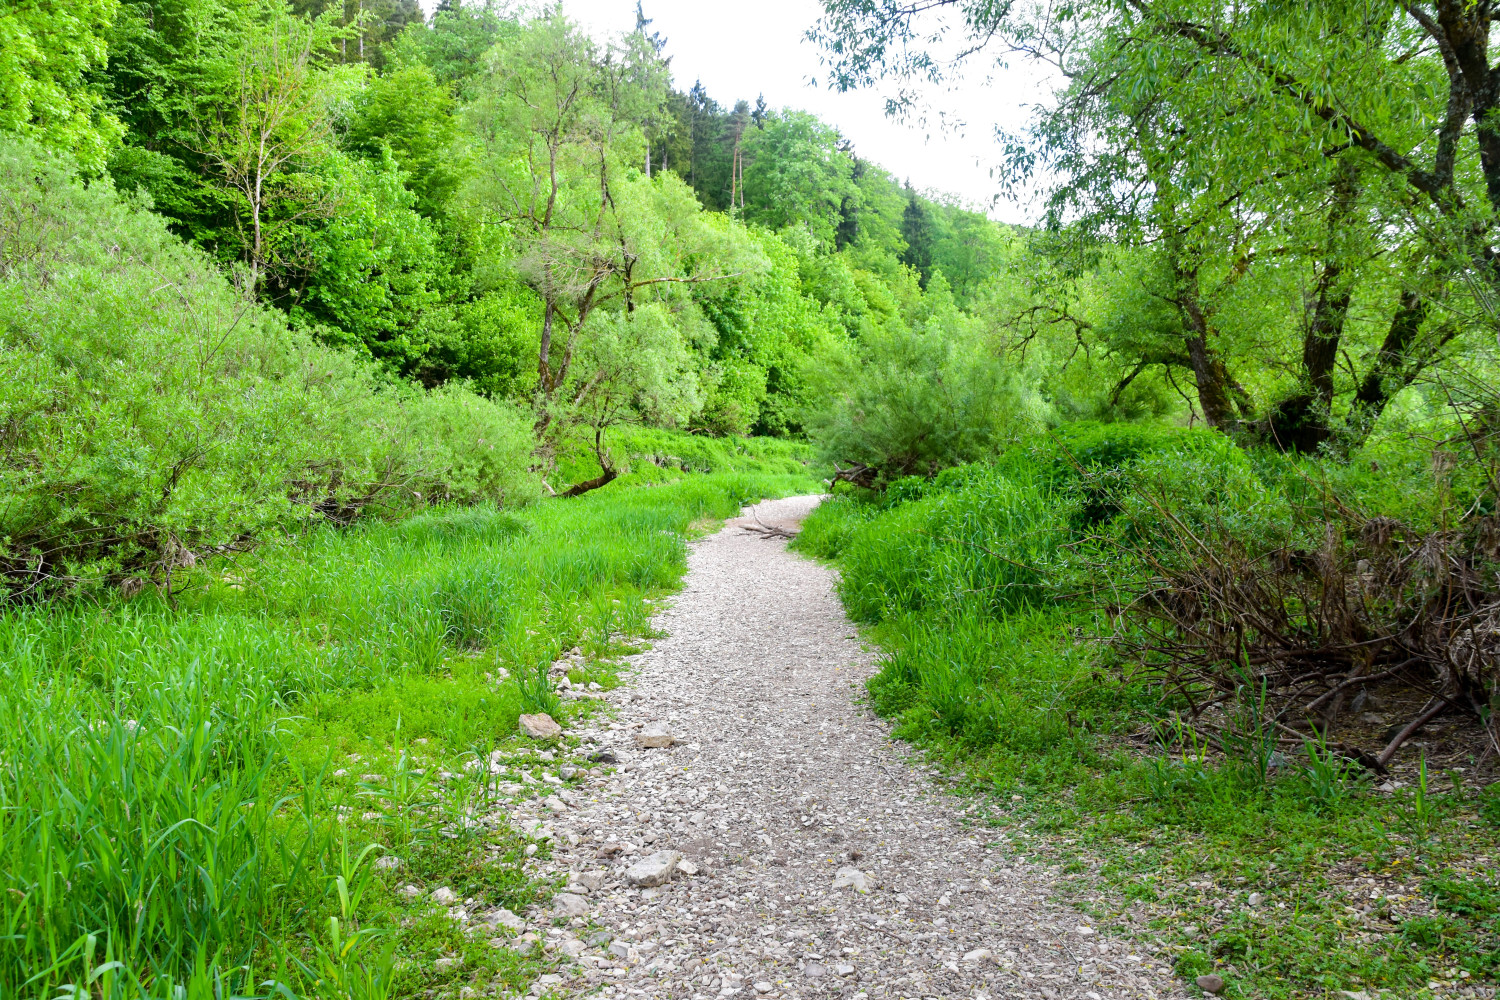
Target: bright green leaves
x,y
48,49
408,112
796,174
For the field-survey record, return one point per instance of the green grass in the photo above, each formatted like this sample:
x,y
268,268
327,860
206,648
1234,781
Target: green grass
x,y
194,796
652,454
989,665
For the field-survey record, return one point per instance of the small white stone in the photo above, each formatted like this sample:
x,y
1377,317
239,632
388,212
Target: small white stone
x,y
978,955
502,917
540,726
853,878
444,896
654,738
565,904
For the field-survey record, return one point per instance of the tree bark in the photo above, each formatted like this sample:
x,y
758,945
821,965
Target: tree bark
x,y
1209,372
1393,369
1304,421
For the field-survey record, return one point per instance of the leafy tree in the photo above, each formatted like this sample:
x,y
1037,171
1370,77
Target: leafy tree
x,y
377,269
372,24
1345,142
918,401
916,231
796,175
48,50
454,44
632,367
556,129
261,141
409,113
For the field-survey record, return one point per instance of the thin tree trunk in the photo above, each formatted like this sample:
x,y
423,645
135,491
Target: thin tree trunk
x,y
1393,369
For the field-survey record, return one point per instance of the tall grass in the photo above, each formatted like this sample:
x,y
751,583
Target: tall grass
x,y
170,823
1001,596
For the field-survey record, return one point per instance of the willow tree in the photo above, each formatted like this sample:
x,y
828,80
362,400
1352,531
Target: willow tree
x,y
557,128
1346,142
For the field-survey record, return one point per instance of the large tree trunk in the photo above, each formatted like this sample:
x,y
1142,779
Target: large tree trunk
x,y
1209,371
1304,422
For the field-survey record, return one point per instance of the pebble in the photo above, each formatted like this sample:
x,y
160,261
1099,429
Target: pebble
x,y
501,917
654,739
853,878
444,896
1210,983
566,904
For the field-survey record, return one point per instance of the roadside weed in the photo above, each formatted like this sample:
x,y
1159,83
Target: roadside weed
x,y
194,798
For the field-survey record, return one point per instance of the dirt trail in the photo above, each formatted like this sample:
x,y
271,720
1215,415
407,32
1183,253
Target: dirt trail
x,y
780,782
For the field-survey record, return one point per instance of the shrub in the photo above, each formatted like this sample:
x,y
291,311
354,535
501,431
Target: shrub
x,y
150,413
918,403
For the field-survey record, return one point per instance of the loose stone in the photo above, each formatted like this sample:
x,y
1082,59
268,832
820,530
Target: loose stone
x,y
653,871
540,727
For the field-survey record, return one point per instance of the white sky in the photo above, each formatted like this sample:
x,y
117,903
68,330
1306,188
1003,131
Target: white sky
x,y
740,50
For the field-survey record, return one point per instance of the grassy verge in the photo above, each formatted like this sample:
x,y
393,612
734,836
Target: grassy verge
x,y
651,454
257,786
1288,875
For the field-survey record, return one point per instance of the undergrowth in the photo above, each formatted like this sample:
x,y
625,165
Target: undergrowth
x,y
196,796
995,593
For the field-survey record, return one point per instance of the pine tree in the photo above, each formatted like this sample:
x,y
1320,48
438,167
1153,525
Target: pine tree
x,y
848,230
916,229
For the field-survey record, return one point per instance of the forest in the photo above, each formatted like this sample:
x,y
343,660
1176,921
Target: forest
x,y
356,364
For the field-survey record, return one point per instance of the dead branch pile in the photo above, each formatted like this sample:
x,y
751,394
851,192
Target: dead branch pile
x,y
1308,627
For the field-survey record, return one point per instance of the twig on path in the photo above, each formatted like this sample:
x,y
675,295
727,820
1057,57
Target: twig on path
x,y
765,530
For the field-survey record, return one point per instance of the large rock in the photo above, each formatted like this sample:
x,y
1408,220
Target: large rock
x,y
654,738
653,871
540,726
566,904
1211,984
501,917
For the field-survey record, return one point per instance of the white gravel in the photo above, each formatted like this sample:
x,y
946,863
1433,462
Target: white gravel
x,y
780,786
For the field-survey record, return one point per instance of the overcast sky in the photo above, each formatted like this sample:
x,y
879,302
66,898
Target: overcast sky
x,y
740,50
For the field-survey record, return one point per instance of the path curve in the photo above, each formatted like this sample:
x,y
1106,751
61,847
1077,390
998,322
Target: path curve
x,y
781,778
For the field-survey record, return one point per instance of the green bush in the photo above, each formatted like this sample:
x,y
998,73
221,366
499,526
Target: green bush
x,y
989,545
919,402
150,412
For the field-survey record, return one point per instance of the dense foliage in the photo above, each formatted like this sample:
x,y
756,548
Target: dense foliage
x,y
1197,662
153,413
1143,501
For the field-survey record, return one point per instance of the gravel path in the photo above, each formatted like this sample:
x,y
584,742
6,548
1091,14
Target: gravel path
x,y
782,785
